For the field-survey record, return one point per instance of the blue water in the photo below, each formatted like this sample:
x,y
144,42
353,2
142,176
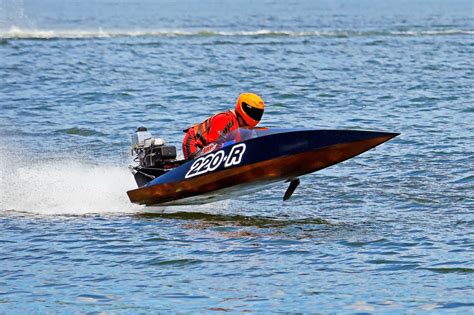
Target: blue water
x,y
389,231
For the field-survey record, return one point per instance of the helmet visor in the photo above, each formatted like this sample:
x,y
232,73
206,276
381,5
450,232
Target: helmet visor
x,y
252,112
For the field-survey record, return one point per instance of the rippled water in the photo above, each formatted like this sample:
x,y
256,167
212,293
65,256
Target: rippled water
x,y
388,231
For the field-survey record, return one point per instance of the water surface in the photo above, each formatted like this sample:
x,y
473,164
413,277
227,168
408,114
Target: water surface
x,y
388,231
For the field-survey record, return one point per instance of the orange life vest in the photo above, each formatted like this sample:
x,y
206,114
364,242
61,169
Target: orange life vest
x,y
201,130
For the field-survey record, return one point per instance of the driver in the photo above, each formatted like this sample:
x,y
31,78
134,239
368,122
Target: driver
x,y
248,113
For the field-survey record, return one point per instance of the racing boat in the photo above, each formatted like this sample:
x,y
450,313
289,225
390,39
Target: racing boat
x,y
244,161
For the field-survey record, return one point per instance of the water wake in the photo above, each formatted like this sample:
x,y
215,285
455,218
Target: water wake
x,y
26,33
64,187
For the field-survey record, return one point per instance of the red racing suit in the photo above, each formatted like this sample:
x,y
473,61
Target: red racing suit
x,y
202,134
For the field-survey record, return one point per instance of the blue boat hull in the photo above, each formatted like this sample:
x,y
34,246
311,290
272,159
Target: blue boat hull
x,y
245,165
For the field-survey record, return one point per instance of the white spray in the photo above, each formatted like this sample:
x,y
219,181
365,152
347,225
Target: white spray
x,y
63,187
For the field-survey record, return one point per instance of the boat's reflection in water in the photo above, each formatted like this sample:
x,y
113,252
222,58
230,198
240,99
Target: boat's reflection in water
x,y
207,219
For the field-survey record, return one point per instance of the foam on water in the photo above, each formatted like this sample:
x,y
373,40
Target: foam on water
x,y
14,32
64,187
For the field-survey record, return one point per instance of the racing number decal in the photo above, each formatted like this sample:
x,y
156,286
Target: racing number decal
x,y
235,155
216,160
210,162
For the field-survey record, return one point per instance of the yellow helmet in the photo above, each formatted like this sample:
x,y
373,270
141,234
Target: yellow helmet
x,y
250,107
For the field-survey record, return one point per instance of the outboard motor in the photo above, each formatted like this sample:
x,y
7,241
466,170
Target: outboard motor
x,y
151,152
153,156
